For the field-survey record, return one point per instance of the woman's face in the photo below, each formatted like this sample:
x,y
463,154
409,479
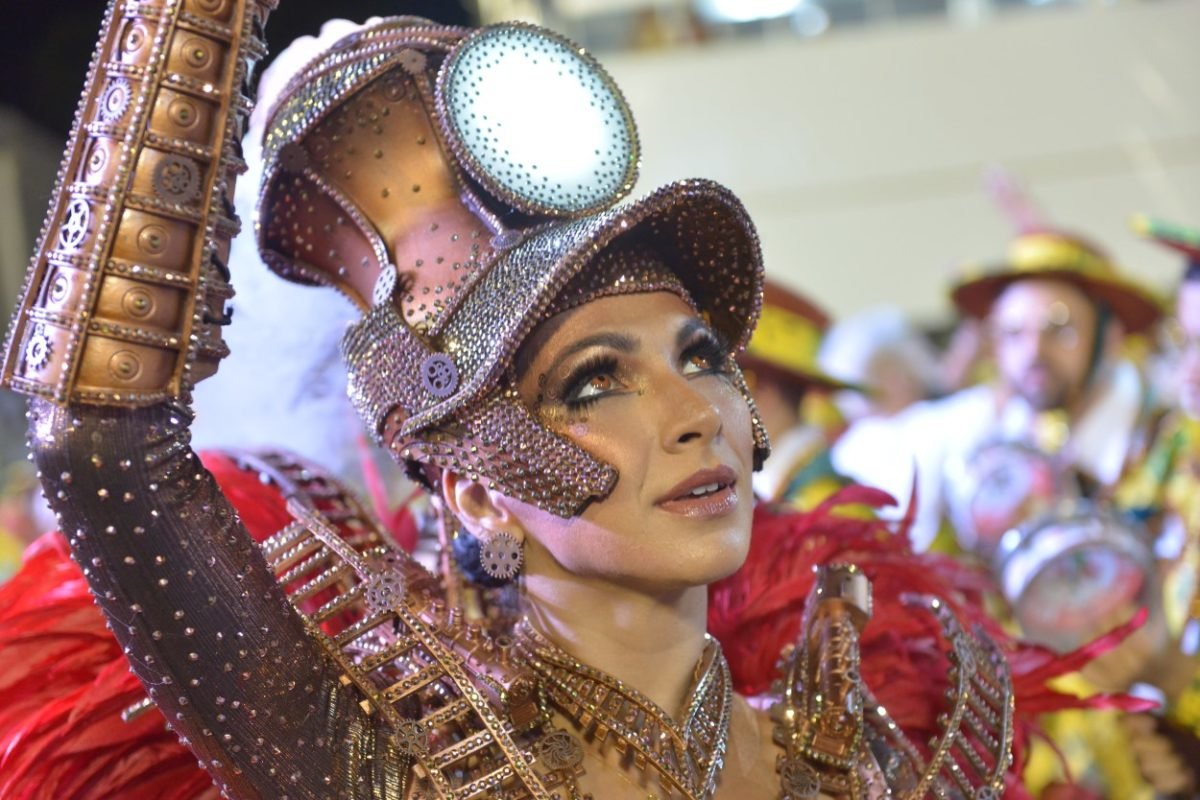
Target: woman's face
x,y
641,383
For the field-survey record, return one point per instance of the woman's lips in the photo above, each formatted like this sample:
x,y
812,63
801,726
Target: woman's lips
x,y
706,493
715,504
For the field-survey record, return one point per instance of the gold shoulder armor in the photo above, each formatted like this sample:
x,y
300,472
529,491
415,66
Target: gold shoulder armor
x,y
839,741
124,300
453,695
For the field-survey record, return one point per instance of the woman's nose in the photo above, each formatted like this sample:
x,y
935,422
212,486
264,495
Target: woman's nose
x,y
689,414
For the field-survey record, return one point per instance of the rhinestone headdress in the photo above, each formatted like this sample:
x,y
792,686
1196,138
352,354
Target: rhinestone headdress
x,y
455,184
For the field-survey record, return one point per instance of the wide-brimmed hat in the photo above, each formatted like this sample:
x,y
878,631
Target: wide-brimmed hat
x,y
787,340
1055,255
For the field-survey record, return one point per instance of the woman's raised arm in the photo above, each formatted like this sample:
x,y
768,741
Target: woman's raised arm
x,y
122,314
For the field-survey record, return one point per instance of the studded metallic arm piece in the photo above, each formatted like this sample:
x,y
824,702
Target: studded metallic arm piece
x,y
124,301
241,677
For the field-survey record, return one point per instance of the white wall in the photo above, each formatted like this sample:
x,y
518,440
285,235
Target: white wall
x,y
859,155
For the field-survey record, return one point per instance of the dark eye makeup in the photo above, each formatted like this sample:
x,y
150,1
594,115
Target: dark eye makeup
x,y
592,368
704,353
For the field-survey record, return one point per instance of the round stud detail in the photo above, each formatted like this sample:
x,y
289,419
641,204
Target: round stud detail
x,y
197,53
559,750
138,303
153,239
183,113
501,556
75,227
38,349
135,37
395,88
97,158
115,100
177,179
210,6
58,288
293,157
439,376
125,365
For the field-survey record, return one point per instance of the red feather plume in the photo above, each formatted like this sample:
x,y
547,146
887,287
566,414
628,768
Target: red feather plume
x,y
757,612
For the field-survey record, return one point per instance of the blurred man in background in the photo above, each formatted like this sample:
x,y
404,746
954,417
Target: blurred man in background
x,y
1056,312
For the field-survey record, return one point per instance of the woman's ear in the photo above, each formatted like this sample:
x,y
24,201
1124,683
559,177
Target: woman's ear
x,y
478,508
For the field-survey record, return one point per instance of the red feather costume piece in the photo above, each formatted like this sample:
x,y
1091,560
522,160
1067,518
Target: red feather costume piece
x,y
757,612
64,681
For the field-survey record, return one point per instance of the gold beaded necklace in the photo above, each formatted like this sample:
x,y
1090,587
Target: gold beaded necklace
x,y
687,758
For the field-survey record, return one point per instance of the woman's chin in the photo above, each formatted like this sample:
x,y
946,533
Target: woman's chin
x,y
714,557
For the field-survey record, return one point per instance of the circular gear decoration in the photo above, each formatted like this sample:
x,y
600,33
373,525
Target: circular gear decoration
x,y
76,225
38,349
177,179
559,750
124,365
386,587
537,121
413,62
501,556
439,376
799,781
412,738
385,286
115,100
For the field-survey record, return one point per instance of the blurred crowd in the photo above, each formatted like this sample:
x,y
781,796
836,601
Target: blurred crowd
x,y
1052,440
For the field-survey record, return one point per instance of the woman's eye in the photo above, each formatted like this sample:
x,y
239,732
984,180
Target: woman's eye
x,y
705,357
698,362
591,381
595,386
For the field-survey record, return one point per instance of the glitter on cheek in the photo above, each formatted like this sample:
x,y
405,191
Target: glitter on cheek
x,y
579,429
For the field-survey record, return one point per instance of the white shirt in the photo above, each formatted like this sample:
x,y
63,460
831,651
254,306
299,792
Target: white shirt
x,y
928,439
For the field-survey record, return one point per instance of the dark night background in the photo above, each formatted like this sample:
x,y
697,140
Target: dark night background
x,y
46,44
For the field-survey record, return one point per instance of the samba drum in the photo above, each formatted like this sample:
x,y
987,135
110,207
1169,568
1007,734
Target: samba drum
x,y
1001,486
1072,573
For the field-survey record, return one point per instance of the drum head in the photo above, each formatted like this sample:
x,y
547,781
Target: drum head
x,y
1004,485
1076,574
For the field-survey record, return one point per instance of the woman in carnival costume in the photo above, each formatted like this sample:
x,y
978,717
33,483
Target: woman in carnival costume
x,y
556,369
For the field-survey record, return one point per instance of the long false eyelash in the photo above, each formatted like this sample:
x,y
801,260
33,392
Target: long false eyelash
x,y
580,375
713,346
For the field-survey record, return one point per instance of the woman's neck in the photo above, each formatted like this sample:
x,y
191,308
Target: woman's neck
x,y
651,642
